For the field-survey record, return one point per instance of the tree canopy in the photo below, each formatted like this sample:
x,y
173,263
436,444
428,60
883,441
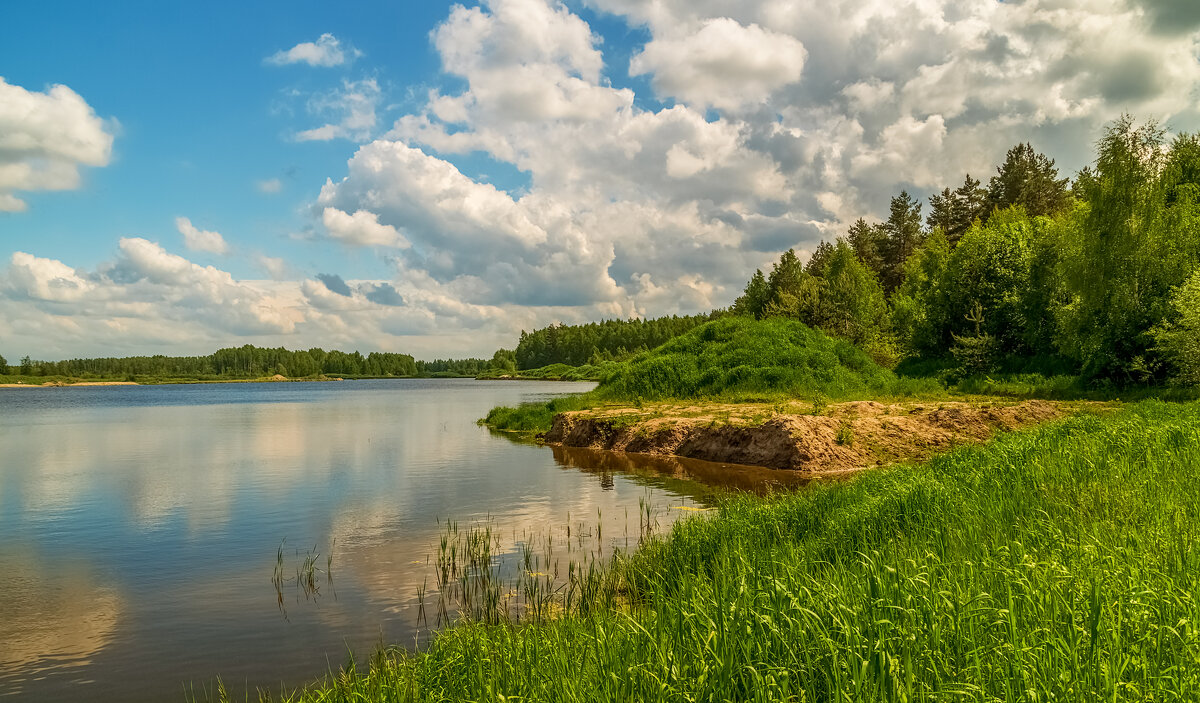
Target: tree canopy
x,y
1099,274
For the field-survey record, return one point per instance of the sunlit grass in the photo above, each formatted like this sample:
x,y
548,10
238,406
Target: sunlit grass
x,y
1061,563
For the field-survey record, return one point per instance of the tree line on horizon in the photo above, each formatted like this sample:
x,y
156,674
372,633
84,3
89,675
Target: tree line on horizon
x,y
249,361
1099,275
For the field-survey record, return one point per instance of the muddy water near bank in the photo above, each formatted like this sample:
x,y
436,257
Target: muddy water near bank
x,y
141,527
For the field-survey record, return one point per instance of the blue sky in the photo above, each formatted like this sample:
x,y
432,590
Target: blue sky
x,y
202,118
434,177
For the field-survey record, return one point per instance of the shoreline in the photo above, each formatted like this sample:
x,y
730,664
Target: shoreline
x,y
192,382
195,382
831,440
67,385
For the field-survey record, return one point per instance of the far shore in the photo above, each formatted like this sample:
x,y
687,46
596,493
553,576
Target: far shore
x,y
169,382
64,385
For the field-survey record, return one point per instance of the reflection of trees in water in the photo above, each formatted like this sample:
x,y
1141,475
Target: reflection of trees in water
x,y
690,477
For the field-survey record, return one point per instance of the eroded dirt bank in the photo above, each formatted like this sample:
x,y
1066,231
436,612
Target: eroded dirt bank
x,y
796,436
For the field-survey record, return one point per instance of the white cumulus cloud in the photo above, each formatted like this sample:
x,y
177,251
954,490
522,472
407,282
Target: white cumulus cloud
x,y
361,229
722,64
44,139
327,50
197,239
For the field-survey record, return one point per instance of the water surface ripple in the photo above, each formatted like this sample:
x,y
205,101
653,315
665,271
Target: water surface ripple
x,y
139,525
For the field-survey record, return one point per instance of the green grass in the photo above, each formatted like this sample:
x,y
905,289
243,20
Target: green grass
x,y
1066,387
1056,564
534,417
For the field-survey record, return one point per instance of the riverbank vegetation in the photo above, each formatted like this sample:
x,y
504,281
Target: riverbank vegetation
x,y
1058,563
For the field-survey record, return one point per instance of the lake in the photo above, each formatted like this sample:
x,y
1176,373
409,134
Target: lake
x,y
153,538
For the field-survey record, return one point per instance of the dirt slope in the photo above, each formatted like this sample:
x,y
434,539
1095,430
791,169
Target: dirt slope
x,y
842,437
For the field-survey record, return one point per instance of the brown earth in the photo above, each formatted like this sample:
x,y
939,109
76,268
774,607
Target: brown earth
x,y
796,436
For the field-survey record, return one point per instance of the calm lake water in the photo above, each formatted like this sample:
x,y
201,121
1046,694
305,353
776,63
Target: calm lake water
x,y
140,526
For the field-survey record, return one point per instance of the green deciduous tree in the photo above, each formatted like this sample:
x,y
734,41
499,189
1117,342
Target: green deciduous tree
x,y
1128,249
506,359
988,279
1179,339
920,305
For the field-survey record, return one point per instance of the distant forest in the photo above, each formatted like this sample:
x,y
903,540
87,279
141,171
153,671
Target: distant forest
x,y
252,362
597,342
574,345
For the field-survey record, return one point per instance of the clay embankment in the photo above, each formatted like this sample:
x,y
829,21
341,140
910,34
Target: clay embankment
x,y
841,437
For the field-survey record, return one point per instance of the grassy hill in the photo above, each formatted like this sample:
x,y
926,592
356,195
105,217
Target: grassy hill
x,y
732,359
739,356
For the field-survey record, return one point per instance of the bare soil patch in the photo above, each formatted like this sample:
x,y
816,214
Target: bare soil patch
x,y
796,435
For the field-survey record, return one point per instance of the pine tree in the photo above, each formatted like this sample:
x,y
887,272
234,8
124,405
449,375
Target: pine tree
x,y
970,204
867,242
819,262
954,211
1028,179
903,229
787,276
941,210
755,298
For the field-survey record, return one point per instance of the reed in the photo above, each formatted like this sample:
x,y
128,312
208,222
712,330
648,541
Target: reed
x,y
306,579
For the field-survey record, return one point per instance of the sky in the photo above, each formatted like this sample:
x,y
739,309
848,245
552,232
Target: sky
x,y
432,178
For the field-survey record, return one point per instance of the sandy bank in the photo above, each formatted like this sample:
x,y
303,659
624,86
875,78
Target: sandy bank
x,y
795,436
